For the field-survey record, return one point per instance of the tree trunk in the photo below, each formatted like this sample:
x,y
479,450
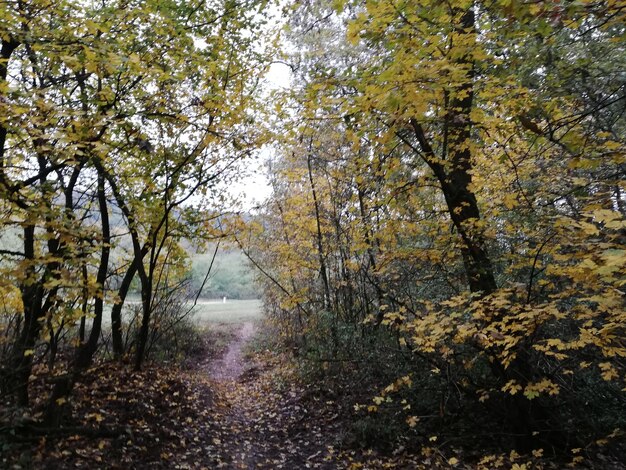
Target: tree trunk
x,y
453,171
24,347
35,309
139,253
6,50
85,352
320,241
144,329
116,311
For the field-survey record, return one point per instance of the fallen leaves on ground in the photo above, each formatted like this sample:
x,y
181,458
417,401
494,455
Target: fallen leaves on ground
x,y
172,418
181,419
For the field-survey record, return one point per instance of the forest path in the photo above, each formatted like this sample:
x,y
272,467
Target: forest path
x,y
238,411
232,364
254,425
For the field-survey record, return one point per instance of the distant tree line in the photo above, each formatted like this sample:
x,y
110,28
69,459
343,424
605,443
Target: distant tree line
x,y
231,276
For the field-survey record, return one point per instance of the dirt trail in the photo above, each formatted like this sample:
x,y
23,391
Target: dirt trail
x,y
232,364
253,426
236,412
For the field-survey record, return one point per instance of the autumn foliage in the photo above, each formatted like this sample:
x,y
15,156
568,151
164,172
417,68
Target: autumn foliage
x,y
452,173
445,240
120,124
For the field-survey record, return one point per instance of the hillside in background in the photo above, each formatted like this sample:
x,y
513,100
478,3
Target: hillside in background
x,y
230,276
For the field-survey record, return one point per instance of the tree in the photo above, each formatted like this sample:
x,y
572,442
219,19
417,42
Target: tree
x,y
463,166
140,110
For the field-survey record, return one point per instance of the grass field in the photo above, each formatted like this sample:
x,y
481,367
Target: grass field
x,y
209,312
217,321
221,322
233,311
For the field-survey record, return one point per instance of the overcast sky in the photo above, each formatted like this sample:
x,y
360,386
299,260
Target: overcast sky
x,y
254,189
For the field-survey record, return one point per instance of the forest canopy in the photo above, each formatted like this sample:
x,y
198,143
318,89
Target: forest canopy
x,y
121,124
452,173
447,222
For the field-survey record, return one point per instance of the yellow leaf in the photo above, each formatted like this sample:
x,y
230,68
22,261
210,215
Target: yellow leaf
x,y
510,201
412,421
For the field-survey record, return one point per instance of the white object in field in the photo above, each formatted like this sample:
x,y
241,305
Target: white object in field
x,y
224,301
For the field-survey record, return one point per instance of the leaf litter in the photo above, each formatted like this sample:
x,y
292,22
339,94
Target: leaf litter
x,y
235,412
